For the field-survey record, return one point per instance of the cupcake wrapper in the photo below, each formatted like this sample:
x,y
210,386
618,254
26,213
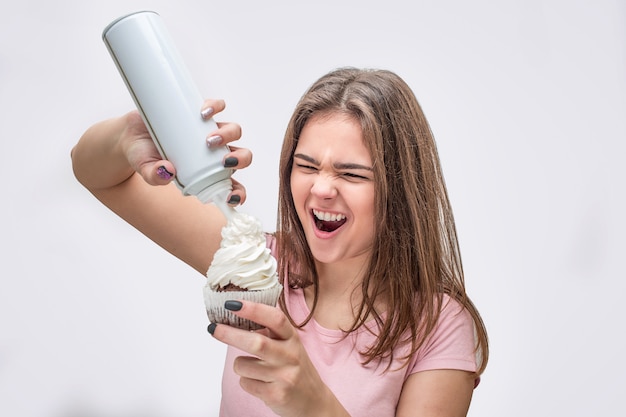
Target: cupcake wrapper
x,y
214,302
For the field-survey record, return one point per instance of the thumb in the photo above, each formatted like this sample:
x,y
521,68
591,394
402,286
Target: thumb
x,y
158,172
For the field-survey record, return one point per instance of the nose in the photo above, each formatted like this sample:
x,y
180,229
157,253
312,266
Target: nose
x,y
324,187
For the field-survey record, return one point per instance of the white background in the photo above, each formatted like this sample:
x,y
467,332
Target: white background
x,y
527,100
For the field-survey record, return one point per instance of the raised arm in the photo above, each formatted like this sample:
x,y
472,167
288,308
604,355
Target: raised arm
x,y
118,163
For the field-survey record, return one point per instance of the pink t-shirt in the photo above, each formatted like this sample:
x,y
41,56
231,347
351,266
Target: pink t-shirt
x,y
362,390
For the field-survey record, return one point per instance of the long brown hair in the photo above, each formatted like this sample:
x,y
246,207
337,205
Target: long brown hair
x,y
416,258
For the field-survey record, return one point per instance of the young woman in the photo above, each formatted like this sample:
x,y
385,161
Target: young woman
x,y
374,319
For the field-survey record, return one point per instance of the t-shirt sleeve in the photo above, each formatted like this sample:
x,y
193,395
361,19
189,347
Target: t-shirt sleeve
x,y
270,241
451,344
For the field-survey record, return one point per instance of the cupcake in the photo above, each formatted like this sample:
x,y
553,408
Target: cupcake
x,y
242,269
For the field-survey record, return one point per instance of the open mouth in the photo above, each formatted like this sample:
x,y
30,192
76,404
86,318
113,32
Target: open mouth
x,y
328,222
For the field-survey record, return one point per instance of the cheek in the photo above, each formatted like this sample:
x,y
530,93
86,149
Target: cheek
x,y
363,199
365,205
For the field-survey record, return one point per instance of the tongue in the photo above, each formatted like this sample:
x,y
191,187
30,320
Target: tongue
x,y
328,226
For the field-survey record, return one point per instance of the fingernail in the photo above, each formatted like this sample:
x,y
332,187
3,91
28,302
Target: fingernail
x,y
164,173
206,113
211,328
214,140
233,305
234,199
230,162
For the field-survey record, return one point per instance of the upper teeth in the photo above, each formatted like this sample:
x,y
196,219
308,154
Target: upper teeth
x,y
328,217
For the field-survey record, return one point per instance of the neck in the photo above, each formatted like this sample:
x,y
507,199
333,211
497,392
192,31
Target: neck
x,y
340,280
339,294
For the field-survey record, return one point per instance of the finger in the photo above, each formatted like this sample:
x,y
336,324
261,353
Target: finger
x,y
267,316
242,158
238,195
225,133
254,343
210,107
253,368
158,172
264,345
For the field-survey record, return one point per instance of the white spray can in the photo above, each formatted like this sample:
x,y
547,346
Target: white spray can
x,y
169,103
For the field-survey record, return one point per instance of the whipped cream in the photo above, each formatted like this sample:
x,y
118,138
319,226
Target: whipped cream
x,y
243,258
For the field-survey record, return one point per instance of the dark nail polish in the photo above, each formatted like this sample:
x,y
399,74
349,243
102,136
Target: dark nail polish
x,y
211,328
234,199
230,162
233,305
164,173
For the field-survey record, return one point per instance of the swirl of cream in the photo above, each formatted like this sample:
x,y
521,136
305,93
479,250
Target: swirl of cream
x,y
243,258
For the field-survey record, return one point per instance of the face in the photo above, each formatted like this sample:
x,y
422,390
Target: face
x,y
332,184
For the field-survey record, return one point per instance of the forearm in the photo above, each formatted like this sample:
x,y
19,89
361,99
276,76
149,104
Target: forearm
x,y
118,162
330,406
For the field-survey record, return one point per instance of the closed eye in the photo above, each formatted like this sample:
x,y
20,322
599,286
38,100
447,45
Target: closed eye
x,y
306,167
354,176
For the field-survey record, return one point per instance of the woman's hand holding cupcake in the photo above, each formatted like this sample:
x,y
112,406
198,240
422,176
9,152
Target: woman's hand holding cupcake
x,y
279,372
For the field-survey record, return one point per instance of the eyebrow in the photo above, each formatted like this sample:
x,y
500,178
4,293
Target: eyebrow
x,y
338,165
